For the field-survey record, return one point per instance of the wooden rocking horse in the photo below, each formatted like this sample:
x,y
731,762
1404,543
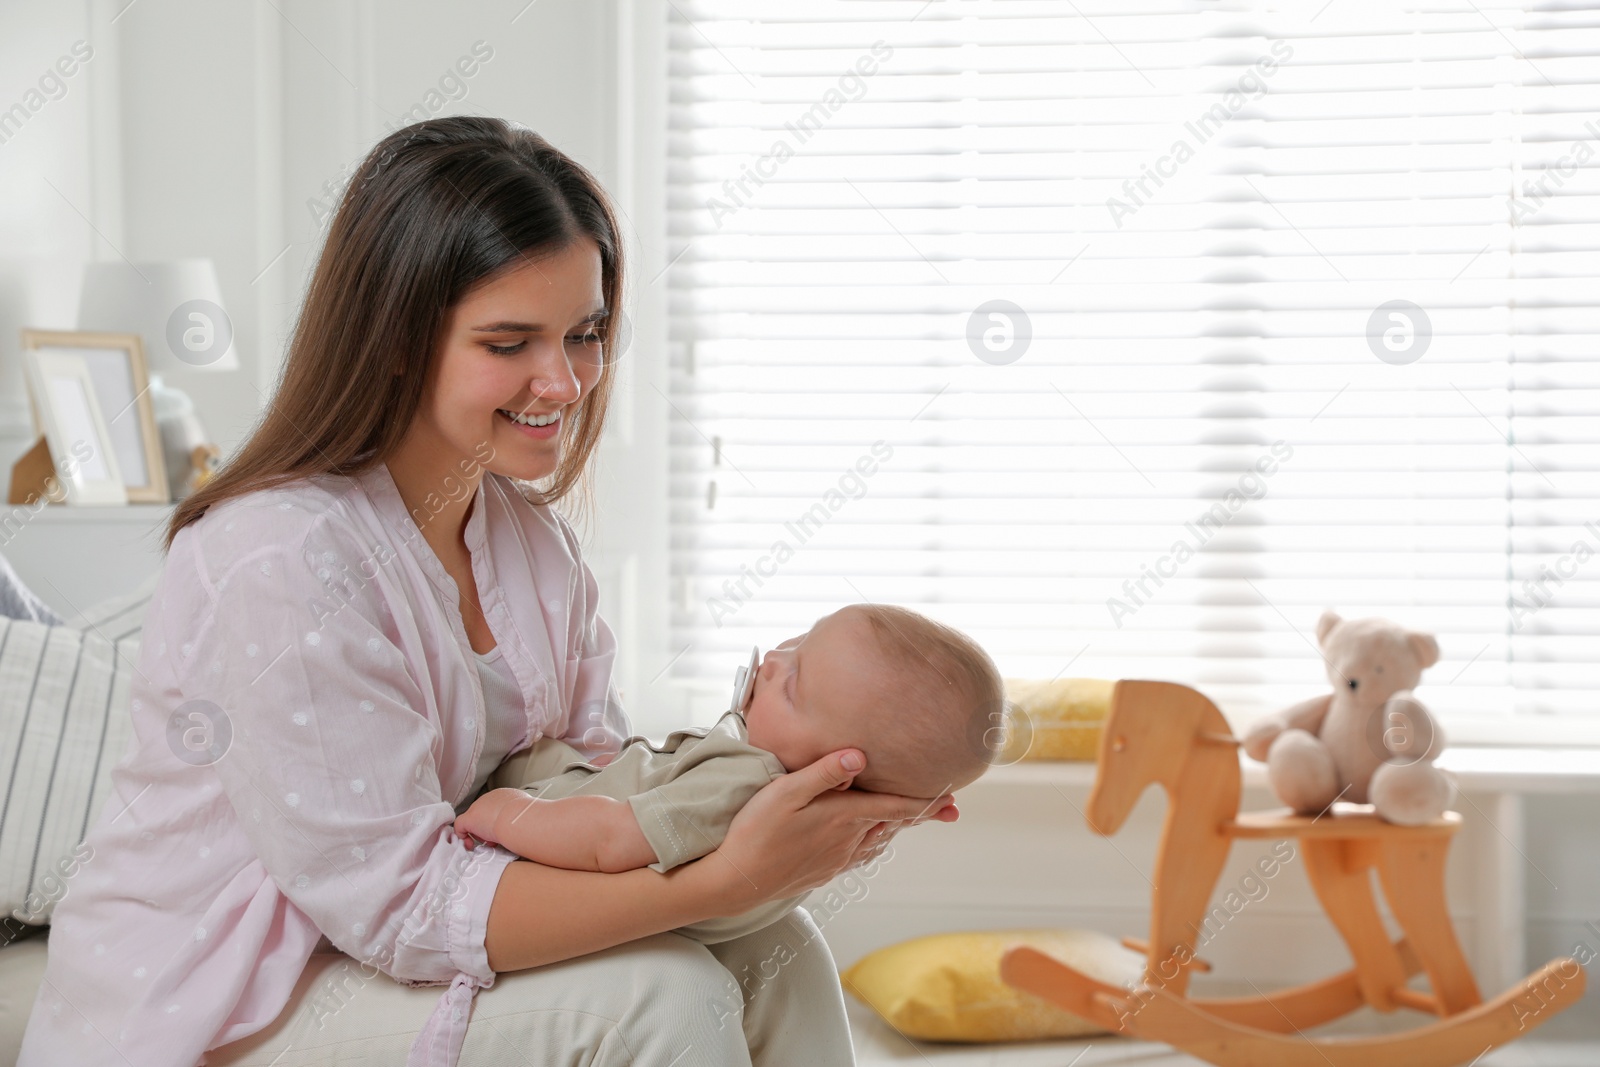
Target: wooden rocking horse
x,y
1171,734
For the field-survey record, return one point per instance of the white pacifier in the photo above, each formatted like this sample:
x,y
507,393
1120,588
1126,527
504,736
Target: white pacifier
x,y
744,681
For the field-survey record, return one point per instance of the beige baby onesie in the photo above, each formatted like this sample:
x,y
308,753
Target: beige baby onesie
x,y
684,794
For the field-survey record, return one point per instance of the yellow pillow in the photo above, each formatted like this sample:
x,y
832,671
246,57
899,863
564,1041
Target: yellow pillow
x,y
1064,718
947,987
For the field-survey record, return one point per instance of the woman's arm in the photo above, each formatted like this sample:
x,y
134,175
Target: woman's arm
x,y
545,914
797,833
581,833
246,624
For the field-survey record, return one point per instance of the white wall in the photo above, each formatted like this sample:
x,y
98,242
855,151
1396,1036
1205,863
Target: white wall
x,y
49,199
1562,879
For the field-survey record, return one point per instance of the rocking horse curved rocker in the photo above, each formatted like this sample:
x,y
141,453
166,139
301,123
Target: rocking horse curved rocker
x,y
1171,734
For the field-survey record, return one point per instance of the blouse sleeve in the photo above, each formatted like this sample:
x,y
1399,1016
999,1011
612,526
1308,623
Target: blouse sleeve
x,y
597,725
329,762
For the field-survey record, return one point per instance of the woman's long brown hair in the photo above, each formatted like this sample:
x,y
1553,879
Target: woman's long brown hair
x,y
435,209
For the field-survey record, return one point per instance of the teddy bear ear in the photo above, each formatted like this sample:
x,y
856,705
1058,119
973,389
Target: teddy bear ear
x,y
1325,625
1425,647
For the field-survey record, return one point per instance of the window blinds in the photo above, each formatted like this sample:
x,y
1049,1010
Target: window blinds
x,y
1128,339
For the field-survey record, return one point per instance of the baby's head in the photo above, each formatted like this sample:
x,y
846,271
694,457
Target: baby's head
x,y
921,699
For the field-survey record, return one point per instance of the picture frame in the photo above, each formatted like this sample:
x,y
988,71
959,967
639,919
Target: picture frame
x,y
80,446
120,388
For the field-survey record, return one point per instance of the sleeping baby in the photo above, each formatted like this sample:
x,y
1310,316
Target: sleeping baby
x,y
919,698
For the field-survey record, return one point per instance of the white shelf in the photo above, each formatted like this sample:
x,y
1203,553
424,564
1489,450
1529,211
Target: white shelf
x,y
1476,769
132,514
75,557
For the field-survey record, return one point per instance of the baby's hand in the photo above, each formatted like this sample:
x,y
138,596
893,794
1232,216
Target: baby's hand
x,y
478,822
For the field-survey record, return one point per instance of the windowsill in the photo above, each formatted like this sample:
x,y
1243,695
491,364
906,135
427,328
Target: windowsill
x,y
1509,769
1477,769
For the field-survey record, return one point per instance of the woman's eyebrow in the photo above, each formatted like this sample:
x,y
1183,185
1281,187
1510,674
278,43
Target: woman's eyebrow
x,y
506,326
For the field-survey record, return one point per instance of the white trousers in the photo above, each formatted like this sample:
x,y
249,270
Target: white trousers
x,y
771,998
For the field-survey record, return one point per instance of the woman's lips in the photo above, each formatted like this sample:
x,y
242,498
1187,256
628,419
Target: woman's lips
x,y
537,433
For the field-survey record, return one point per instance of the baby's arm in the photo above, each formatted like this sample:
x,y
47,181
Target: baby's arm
x,y
581,833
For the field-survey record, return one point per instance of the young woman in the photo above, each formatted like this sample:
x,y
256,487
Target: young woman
x,y
359,618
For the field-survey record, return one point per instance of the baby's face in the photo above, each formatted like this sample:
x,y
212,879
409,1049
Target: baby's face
x,y
813,693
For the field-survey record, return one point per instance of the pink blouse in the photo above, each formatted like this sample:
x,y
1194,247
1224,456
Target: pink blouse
x,y
308,715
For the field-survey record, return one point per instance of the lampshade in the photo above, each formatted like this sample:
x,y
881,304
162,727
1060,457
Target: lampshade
x,y
175,306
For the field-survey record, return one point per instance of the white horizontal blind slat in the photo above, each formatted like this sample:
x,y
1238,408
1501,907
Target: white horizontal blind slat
x,y
1199,211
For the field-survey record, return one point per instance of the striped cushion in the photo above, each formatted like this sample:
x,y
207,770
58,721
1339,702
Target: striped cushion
x,y
64,723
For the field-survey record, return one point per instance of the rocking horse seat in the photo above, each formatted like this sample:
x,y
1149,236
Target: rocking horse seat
x,y
1344,823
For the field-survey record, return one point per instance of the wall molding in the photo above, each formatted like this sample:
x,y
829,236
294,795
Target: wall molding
x,y
271,235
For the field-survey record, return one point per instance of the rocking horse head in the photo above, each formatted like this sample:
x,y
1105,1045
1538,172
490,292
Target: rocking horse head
x,y
1150,735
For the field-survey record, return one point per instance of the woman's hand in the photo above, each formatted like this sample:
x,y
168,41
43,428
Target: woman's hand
x,y
805,828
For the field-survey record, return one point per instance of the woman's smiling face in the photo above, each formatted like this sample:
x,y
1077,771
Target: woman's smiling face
x,y
524,342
